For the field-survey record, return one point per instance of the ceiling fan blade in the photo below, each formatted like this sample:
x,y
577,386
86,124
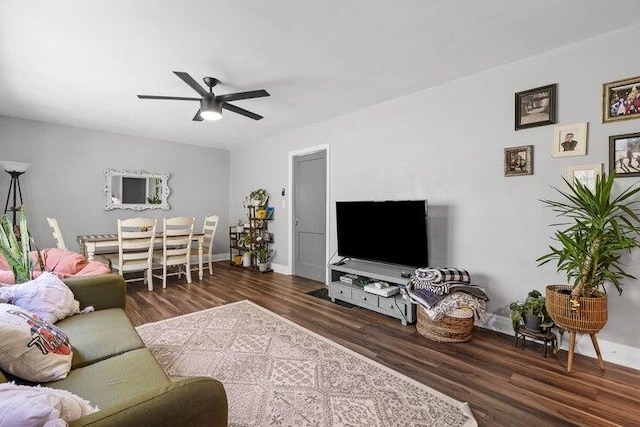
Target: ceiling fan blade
x,y
185,77
197,117
242,111
175,98
243,95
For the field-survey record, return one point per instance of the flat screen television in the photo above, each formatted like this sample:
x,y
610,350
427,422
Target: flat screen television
x,y
391,231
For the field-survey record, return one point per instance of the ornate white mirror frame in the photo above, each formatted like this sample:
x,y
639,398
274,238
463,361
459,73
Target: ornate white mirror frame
x,y
137,190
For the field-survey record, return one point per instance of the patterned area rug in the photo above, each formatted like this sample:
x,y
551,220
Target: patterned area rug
x,y
278,373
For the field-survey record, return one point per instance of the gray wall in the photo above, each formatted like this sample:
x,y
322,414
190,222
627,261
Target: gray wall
x,y
446,144
66,178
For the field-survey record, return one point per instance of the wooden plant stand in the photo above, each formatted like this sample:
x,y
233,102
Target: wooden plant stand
x,y
572,345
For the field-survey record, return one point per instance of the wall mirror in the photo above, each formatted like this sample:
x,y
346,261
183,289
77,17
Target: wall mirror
x,y
137,190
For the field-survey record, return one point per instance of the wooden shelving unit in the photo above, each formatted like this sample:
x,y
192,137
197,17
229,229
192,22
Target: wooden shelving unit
x,y
255,232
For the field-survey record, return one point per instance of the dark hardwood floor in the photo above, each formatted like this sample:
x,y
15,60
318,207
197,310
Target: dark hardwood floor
x,y
505,386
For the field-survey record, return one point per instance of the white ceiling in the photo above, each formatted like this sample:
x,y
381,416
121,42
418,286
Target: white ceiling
x,y
81,63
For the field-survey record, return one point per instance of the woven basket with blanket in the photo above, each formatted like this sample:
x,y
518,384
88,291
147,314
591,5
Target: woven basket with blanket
x,y
447,303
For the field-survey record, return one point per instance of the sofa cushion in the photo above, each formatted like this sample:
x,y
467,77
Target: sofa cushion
x,y
28,406
98,335
116,378
32,349
47,296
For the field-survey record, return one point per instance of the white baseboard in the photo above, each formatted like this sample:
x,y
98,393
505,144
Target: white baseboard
x,y
221,257
278,268
611,352
282,269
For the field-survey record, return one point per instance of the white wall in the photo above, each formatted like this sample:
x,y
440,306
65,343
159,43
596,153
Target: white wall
x,y
66,178
446,144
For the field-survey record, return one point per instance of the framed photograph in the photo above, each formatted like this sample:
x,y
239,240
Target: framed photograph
x,y
586,174
569,140
621,100
536,107
624,155
518,160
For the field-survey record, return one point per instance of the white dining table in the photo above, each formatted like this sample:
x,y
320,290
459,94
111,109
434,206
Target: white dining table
x,y
91,243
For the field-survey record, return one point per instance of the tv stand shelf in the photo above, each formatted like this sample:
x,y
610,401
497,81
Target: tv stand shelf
x,y
395,306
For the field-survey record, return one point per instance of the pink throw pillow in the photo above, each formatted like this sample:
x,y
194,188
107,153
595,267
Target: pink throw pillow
x,y
4,265
6,277
94,268
61,261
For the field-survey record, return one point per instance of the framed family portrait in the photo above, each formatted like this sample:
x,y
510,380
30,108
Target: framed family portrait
x,y
624,154
518,160
569,140
586,174
536,107
621,100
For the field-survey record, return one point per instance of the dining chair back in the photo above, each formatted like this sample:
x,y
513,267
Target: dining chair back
x,y
177,233
209,230
136,237
57,235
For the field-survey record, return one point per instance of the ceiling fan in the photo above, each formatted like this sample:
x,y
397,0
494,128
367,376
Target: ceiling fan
x,y
211,105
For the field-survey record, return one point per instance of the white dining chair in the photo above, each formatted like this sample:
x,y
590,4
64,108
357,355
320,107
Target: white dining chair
x,y
136,237
209,230
57,235
177,233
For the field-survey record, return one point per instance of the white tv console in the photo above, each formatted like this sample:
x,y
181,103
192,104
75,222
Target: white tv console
x,y
396,306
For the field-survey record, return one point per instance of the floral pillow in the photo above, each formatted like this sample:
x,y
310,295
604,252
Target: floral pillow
x,y
32,349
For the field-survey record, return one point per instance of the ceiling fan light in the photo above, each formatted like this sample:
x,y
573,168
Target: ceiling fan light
x,y
210,115
210,109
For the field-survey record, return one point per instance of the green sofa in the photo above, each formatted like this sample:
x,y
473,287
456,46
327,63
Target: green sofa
x,y
113,370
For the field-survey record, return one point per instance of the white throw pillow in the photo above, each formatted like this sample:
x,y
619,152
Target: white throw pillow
x,y
27,406
47,296
32,349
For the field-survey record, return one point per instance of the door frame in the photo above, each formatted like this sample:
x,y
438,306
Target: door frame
x,y
292,155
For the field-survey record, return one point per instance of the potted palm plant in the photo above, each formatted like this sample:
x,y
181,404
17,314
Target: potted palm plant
x,y
599,228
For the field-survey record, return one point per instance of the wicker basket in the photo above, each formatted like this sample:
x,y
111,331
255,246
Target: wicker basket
x,y
447,329
589,318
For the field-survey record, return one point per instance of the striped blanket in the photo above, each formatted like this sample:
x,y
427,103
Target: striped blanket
x,y
438,280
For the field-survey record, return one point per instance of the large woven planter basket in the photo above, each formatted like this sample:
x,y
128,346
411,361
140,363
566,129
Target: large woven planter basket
x,y
589,318
447,329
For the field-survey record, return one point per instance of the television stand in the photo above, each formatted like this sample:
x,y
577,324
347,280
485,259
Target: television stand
x,y
397,306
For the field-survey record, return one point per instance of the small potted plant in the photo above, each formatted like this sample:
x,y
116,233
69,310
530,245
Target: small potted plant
x,y
263,253
257,197
532,312
240,227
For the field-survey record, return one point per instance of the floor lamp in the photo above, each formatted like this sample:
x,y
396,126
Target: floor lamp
x,y
15,169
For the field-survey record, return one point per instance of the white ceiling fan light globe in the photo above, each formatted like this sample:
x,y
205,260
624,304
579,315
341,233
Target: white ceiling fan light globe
x,y
210,109
210,115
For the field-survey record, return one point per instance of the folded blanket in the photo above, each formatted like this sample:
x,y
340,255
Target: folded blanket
x,y
439,280
440,275
456,300
429,298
